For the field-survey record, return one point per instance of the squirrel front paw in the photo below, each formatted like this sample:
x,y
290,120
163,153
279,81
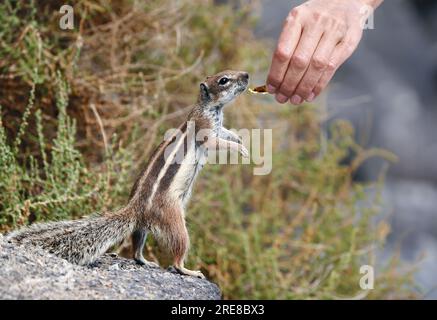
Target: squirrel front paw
x,y
244,152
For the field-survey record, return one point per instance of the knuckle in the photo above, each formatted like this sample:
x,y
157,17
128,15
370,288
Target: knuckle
x,y
341,27
347,51
316,16
304,90
300,61
287,90
327,20
339,34
274,80
322,18
331,66
281,54
294,13
320,63
289,19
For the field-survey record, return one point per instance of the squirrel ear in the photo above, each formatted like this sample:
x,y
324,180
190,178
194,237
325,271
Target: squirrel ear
x,y
204,92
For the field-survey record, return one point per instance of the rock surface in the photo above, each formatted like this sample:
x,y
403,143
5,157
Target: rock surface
x,y
31,273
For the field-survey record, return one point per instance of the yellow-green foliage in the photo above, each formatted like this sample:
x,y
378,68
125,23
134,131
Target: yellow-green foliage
x,y
82,109
58,185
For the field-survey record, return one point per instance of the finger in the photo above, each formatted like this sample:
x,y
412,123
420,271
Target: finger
x,y
319,63
299,62
341,53
287,43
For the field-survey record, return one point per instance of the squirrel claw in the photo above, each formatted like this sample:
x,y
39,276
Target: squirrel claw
x,y
193,273
244,152
144,262
199,274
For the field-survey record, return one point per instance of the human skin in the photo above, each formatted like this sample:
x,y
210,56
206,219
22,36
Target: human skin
x,y
317,38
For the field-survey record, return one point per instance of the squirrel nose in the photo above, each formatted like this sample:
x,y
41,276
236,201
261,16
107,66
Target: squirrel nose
x,y
245,75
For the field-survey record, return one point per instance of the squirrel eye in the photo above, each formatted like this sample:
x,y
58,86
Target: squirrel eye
x,y
223,80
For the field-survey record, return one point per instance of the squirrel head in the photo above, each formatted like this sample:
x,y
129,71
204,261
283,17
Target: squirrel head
x,y
223,87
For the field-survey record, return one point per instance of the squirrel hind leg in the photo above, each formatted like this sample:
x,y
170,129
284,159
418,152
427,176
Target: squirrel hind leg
x,y
193,273
174,235
139,238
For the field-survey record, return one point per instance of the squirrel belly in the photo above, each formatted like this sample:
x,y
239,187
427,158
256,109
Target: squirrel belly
x,y
78,241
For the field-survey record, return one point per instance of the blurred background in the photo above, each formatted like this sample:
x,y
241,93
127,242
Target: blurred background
x,y
388,90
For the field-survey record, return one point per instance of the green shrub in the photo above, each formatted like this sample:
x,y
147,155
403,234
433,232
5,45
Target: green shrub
x,y
59,185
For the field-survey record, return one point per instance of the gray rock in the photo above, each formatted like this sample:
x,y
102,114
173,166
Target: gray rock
x,y
31,273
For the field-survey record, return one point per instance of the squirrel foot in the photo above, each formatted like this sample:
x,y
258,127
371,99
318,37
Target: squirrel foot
x,y
187,272
144,262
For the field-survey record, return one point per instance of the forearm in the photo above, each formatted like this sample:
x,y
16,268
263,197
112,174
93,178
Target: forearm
x,y
229,135
216,143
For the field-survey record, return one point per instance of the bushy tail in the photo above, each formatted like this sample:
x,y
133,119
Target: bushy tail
x,y
78,241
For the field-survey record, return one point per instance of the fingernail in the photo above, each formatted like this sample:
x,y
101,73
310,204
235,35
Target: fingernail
x,y
281,98
311,97
296,99
271,89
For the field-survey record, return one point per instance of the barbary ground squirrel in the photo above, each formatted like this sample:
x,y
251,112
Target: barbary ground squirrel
x,y
160,193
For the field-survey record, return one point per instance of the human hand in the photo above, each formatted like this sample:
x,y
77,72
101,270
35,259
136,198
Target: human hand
x,y
317,38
